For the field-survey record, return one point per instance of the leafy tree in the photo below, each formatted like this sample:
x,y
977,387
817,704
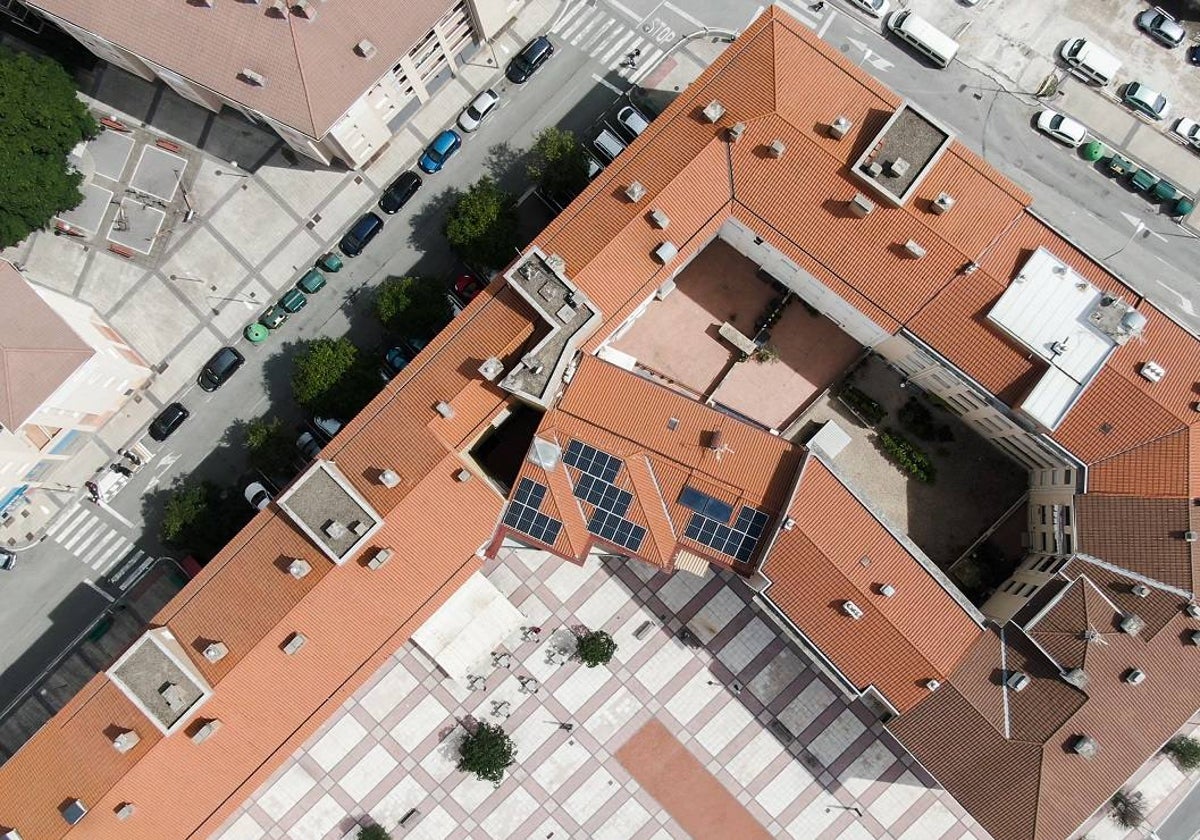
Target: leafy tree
x,y
1128,809
482,225
412,306
270,447
487,752
595,648
559,164
1185,751
41,120
318,371
373,832
202,518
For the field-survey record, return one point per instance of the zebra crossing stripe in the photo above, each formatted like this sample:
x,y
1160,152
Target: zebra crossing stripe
x,y
91,534
112,556
579,36
97,548
62,519
79,518
617,46
566,18
105,550
569,31
650,63
89,525
597,36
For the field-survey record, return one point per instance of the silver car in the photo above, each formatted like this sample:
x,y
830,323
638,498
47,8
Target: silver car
x,y
1161,27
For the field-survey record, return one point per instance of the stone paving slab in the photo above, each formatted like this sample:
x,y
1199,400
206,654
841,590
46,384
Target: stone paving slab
x,y
110,153
89,214
252,222
158,173
142,223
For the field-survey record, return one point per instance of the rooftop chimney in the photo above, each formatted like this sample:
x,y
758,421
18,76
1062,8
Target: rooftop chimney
x,y
713,111
379,558
666,252
776,148
305,9
898,168
659,219
852,609
277,8
1017,680
1193,610
942,203
1153,372
933,685
299,568
861,206
914,249
1140,591
491,368
173,695
1135,676
124,811
389,478
365,48
253,77
127,740
736,131
73,811
839,128
445,409
216,651
294,642
463,475
1085,746
1076,677
887,590
635,191
206,731
1132,624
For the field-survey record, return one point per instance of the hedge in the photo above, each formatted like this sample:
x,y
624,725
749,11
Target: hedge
x,y
907,456
863,405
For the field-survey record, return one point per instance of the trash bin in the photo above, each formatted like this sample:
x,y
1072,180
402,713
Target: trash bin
x,y
1184,206
1144,179
1118,165
256,333
1092,150
1165,191
330,262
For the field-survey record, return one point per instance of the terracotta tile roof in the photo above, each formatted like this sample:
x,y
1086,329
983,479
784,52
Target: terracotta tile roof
x,y
1160,468
1143,535
313,75
839,551
38,351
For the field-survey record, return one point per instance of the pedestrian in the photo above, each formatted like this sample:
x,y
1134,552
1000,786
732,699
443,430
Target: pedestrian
x,y
129,456
121,469
818,6
93,490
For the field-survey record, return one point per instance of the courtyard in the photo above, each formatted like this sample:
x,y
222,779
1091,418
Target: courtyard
x,y
743,721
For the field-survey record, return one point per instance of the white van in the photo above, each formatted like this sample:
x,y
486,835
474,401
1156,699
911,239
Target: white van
x,y
923,36
608,145
1090,62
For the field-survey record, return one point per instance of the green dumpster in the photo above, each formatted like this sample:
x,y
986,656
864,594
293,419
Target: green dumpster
x,y
1144,179
1165,191
256,333
1184,206
330,262
1118,165
1092,150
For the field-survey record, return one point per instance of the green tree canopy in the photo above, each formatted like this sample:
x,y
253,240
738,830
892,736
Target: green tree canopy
x,y
595,648
318,371
559,164
270,447
412,306
373,832
41,120
487,752
1185,750
482,225
201,518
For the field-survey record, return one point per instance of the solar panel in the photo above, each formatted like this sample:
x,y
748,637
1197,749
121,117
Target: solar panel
x,y
522,514
592,461
738,541
603,495
530,493
616,530
705,505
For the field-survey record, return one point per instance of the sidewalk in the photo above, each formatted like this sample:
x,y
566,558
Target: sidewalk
x,y
258,224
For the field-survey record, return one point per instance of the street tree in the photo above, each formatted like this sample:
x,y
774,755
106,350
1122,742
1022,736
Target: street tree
x,y
1185,751
412,306
201,518
559,164
41,120
595,648
319,369
482,225
373,832
487,751
270,448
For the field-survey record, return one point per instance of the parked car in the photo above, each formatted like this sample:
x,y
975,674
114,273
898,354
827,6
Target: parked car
x,y
439,151
532,56
224,364
326,427
875,8
257,495
632,120
312,282
1161,27
293,301
477,111
1193,56
274,317
467,286
8,559
309,446
608,145
360,235
394,361
167,421
1149,102
399,192
1063,129
1188,131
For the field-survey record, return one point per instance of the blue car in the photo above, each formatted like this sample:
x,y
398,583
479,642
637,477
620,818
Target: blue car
x,y
439,151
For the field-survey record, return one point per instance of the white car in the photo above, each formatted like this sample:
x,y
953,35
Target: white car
x,y
257,495
875,8
1063,129
477,111
1188,131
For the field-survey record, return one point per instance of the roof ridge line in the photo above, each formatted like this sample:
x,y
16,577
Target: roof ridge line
x,y
1140,578
1136,446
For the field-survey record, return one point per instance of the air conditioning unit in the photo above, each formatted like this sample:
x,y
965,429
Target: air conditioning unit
x,y
216,651
635,191
659,219
873,169
1152,372
713,111
1017,681
942,203
852,609
840,127
898,168
334,530
293,643
776,148
1132,624
861,206
299,568
1135,676
379,558
914,249
1085,746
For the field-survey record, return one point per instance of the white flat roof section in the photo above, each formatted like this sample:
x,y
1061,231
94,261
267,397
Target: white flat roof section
x,y
1047,309
462,634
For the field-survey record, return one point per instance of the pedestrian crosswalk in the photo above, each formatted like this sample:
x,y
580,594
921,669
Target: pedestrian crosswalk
x,y
91,539
610,40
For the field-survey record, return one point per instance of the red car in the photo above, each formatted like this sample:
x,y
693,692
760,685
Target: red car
x,y
467,286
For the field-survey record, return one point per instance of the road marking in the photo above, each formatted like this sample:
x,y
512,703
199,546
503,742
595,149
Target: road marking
x,y
111,557
566,15
608,56
625,10
62,519
579,36
796,12
90,535
85,520
598,35
608,84
825,23
694,21
97,556
118,517
100,591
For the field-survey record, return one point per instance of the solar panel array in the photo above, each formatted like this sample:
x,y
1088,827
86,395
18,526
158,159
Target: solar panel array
x,y
738,541
603,495
705,505
616,530
523,513
596,487
590,460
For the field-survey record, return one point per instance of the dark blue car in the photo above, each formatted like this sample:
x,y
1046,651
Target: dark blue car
x,y
439,151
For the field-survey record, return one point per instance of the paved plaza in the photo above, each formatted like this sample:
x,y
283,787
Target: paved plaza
x,y
799,759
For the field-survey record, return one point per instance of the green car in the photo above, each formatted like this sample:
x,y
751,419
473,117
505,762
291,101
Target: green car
x,y
293,301
312,282
273,318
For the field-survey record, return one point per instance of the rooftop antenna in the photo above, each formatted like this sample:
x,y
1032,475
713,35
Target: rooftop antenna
x,y
1092,635
716,444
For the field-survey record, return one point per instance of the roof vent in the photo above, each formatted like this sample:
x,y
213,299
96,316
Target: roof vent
x,y
1084,745
1193,610
897,168
1135,676
445,409
1194,638
299,568
887,590
491,369
933,685
874,169
1152,372
334,530
776,148
840,127
635,191
379,558
173,695
852,609
666,252
463,475
659,219
216,651
1017,681
73,811
125,741
365,48
970,268
205,731
293,643
389,478
914,249
736,131
253,77
358,527
1132,624
713,111
1140,591
789,524
277,8
305,9
124,811
861,206
942,203
1190,536
1076,677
